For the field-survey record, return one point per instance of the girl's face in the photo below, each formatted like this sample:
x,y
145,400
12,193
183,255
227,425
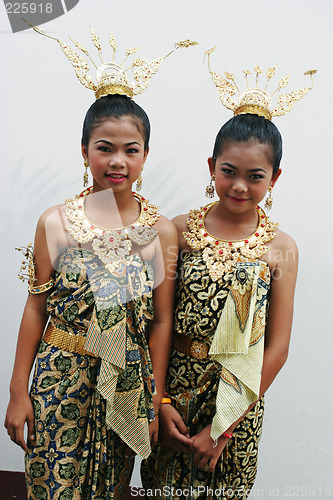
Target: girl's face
x,y
115,154
243,173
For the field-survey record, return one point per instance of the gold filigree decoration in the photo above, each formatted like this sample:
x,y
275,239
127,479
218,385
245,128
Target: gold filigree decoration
x,y
111,78
221,255
111,245
28,271
256,100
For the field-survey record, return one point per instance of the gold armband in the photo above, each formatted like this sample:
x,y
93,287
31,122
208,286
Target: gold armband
x,y
27,271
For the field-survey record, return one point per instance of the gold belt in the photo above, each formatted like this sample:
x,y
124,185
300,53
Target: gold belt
x,y
70,342
186,345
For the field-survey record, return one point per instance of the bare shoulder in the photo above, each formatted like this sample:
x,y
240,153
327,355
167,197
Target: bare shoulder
x,y
180,222
283,253
165,227
182,227
283,242
53,215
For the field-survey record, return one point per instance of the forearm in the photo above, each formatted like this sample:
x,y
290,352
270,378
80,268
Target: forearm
x,y
31,331
159,346
273,361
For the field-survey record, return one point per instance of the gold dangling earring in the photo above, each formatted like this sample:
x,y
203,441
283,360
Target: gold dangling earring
x,y
269,199
138,184
85,175
210,188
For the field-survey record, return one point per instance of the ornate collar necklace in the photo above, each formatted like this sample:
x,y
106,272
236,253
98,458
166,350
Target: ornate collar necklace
x,y
111,245
221,255
83,230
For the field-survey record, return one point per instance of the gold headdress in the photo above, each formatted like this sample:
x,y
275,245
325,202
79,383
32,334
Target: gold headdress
x,y
111,78
255,100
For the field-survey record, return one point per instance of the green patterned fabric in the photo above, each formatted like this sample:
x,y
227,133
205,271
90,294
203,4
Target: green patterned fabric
x,y
77,455
193,386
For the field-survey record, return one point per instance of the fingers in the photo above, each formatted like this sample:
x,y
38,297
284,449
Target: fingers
x,y
31,428
15,432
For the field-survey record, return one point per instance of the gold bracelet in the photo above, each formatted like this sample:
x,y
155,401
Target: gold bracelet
x,y
166,401
41,288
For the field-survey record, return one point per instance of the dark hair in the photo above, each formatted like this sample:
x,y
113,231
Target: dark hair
x,y
115,106
247,128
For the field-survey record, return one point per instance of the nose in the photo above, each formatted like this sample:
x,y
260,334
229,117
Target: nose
x,y
117,160
239,185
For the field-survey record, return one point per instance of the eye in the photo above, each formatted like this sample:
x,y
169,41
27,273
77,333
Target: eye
x,y
228,171
132,151
256,177
104,149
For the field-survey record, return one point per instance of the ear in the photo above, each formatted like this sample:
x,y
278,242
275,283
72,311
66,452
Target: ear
x,y
145,154
84,151
275,177
211,165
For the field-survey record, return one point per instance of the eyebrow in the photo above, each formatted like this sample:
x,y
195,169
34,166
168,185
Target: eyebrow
x,y
251,170
111,144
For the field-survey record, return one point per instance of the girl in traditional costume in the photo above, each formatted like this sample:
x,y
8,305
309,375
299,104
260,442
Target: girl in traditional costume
x,y
100,272
233,317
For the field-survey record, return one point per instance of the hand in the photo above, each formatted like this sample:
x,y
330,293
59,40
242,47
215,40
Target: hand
x,y
203,451
173,429
20,411
153,431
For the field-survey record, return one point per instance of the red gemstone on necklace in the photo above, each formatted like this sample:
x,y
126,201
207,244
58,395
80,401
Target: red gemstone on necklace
x,y
256,234
205,234
220,252
111,239
145,209
263,216
205,208
262,225
200,216
92,227
230,243
200,225
217,242
246,241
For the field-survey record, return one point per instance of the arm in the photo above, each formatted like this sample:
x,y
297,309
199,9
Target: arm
x,y
172,427
160,332
277,337
31,330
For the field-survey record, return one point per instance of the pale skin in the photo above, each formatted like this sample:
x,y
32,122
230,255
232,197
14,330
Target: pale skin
x,y
116,156
243,173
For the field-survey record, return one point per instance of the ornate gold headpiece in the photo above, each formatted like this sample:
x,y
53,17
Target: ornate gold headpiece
x,y
111,78
255,100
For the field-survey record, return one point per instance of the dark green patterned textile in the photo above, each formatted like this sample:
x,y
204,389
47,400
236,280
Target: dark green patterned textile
x,y
193,385
76,455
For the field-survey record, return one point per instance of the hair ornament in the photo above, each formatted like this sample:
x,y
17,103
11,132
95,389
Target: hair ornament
x,y
111,78
255,100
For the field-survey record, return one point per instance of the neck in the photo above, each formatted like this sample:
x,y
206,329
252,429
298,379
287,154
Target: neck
x,y
111,210
229,225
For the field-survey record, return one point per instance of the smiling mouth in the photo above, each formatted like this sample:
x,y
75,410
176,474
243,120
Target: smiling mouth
x,y
117,178
238,200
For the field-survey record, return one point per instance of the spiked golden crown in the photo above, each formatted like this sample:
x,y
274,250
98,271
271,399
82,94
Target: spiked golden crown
x,y
111,78
254,100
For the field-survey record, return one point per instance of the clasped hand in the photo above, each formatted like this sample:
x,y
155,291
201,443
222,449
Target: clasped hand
x,y
176,435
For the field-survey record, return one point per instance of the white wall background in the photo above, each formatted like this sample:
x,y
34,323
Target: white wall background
x,y
42,108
